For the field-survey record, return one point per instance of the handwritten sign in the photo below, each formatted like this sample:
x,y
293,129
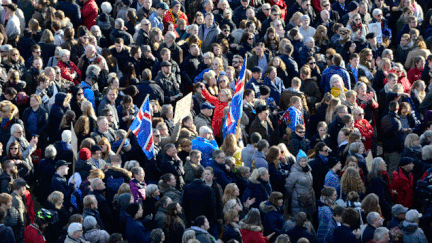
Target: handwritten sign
x,y
183,107
376,28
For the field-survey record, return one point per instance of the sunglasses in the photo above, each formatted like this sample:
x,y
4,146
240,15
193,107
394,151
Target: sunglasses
x,y
80,93
14,148
301,132
326,5
311,63
234,62
156,135
250,39
226,30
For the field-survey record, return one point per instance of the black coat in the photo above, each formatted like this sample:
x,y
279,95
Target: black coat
x,y
198,199
296,143
391,129
104,210
334,129
169,84
56,114
45,173
5,132
267,132
258,189
319,171
42,121
48,50
175,167
72,10
60,184
230,232
380,187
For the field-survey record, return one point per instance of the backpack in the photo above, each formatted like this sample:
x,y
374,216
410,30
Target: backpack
x,y
113,184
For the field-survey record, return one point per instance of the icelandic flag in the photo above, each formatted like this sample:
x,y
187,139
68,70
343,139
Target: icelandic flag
x,y
236,106
141,127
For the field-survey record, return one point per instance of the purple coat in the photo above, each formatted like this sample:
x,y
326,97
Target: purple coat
x,y
138,190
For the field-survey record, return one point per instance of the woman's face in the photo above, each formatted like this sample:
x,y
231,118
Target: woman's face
x,y
272,74
200,20
140,176
212,81
15,56
265,177
280,202
421,87
352,164
252,28
104,148
215,65
65,58
342,136
276,62
236,191
176,8
362,90
271,36
14,150
115,83
336,83
361,150
404,112
223,97
223,83
250,40
156,193
33,102
194,31
217,51
383,166
303,162
188,123
322,131
223,5
421,64
353,47
416,142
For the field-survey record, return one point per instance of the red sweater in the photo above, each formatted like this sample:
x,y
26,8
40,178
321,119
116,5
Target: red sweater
x,y
404,187
249,236
218,111
366,130
66,72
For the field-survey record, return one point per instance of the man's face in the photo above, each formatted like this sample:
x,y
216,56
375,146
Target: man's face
x,y
326,6
305,5
236,62
264,115
354,62
342,113
172,152
166,70
207,112
404,41
372,41
310,44
244,3
166,56
275,15
220,159
18,133
194,51
363,8
147,4
37,53
156,136
96,155
112,96
257,75
301,132
413,23
259,50
341,1
118,47
37,64
209,20
145,25
176,8
103,125
89,52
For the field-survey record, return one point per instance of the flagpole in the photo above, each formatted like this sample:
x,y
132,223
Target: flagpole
x,y
244,84
128,132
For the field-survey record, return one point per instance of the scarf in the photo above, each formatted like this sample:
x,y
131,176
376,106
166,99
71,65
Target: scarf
x,y
419,95
357,27
305,169
5,121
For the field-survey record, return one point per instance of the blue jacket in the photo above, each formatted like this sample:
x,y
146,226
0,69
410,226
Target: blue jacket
x,y
344,234
135,231
258,189
326,222
295,116
206,147
273,218
254,85
200,76
328,73
88,93
276,88
333,180
156,21
260,160
221,174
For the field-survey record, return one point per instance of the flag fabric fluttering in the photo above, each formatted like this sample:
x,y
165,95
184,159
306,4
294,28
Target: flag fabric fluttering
x,y
141,127
236,106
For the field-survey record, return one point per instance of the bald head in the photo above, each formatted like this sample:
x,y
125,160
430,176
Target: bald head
x,y
90,51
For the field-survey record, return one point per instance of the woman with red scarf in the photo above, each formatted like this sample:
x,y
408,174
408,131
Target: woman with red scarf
x,y
415,73
399,71
365,128
68,69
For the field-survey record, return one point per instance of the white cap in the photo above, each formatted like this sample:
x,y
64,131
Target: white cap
x,y
413,215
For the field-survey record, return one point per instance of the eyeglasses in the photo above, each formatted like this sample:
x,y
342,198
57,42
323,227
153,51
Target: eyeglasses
x,y
312,63
326,5
235,62
147,24
158,135
37,51
301,132
226,30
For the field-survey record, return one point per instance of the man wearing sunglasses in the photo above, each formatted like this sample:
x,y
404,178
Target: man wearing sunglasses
x,y
275,13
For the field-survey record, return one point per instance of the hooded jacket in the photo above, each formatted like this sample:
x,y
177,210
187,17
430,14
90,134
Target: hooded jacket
x,y
252,233
203,236
258,189
211,36
412,233
56,115
273,218
300,184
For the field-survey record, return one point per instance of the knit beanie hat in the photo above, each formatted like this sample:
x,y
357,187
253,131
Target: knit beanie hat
x,y
124,200
132,209
84,154
301,154
89,222
332,162
73,228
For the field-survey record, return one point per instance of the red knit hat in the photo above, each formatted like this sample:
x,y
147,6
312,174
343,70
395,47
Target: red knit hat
x,y
84,154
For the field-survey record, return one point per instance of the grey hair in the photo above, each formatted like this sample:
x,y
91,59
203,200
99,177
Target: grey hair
x,y
386,52
357,110
171,34
50,152
66,136
204,130
188,235
119,23
379,233
15,127
334,77
355,147
57,51
190,27
229,205
95,29
165,109
64,52
106,7
157,235
93,71
130,164
427,152
151,189
311,39
258,172
408,143
376,171
372,216
376,12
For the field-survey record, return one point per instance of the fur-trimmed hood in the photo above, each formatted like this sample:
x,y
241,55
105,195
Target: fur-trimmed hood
x,y
121,170
250,227
267,207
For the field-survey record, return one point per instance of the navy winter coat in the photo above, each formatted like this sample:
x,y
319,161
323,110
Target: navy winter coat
x,y
258,189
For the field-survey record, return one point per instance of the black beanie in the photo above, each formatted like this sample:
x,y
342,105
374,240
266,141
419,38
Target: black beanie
x,y
332,162
132,209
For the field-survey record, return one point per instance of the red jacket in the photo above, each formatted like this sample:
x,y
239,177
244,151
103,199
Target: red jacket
x,y
30,205
282,5
414,74
66,72
169,17
404,188
32,234
249,236
89,13
366,130
218,111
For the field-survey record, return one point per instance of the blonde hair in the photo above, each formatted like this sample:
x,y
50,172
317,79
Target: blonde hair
x,y
8,107
55,197
87,109
351,181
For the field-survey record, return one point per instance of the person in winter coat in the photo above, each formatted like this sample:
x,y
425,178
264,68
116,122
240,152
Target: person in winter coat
x,y
174,226
45,172
11,216
201,227
208,37
298,140
328,216
198,198
259,159
60,184
299,186
300,229
220,103
167,185
403,182
34,232
69,70
263,125
320,167
415,73
89,13
6,232
258,187
92,233
135,231
60,107
137,184
231,228
161,214
171,163
348,231
251,228
8,117
98,190
272,210
410,228
379,183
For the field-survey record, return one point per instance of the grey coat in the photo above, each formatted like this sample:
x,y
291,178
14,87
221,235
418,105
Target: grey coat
x,y
247,154
105,103
189,169
300,183
160,217
96,236
210,38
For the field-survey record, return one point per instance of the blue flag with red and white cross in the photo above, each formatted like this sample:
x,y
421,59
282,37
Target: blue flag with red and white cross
x,y
141,127
236,106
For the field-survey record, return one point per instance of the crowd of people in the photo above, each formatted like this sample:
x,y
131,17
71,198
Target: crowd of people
x,y
334,143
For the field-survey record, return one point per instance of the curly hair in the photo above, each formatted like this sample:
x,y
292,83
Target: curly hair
x,y
351,181
371,204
